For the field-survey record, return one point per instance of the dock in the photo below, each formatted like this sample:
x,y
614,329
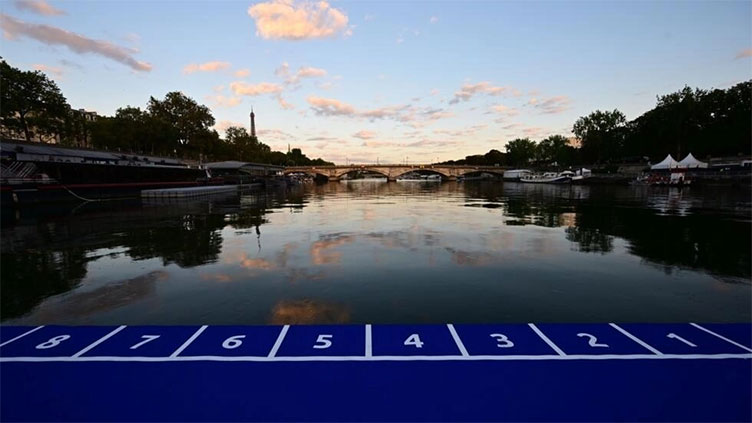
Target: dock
x,y
189,192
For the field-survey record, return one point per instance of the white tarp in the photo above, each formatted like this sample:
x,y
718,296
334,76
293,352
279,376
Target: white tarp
x,y
667,163
690,162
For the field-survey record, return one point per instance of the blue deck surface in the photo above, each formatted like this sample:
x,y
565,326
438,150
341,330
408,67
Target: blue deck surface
x,y
524,372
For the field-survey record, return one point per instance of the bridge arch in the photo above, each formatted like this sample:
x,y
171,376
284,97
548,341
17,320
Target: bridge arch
x,y
423,170
499,172
344,172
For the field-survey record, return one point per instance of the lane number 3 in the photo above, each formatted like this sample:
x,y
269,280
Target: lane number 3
x,y
502,340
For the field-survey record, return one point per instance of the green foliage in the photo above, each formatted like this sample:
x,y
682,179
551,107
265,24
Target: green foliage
x,y
601,134
31,100
520,151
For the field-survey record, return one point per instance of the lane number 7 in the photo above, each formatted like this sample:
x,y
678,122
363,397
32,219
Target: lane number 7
x,y
146,338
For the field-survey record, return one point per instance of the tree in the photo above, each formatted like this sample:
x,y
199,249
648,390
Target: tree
x,y
520,151
601,134
31,101
556,149
187,120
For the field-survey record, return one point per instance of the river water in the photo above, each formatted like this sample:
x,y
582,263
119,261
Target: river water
x,y
377,252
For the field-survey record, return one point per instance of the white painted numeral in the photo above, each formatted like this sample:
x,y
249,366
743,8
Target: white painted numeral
x,y
233,342
414,340
503,341
53,342
146,338
323,342
679,338
593,341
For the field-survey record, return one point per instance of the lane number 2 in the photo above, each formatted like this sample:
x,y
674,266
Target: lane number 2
x,y
592,340
53,342
323,342
679,338
414,340
146,338
502,340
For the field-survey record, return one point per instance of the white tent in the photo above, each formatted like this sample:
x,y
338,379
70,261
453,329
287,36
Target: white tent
x,y
691,162
667,163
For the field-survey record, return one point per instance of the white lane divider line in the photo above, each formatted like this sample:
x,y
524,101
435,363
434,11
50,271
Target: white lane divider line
x,y
721,336
457,340
369,343
278,343
98,341
189,341
21,336
546,340
636,339
583,357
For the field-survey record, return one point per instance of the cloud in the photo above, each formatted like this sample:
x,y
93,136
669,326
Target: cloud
x,y
413,116
467,91
744,53
364,135
330,107
551,105
205,67
274,134
505,110
460,132
49,69
283,71
434,92
13,28
222,101
241,88
433,19
284,104
222,125
297,20
242,73
38,6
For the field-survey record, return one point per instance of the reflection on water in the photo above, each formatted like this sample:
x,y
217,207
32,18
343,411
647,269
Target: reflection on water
x,y
385,252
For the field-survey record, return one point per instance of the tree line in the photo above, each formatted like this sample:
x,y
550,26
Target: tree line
x,y
706,123
34,109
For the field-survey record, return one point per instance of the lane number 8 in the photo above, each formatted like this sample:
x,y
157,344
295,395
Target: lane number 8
x,y
53,342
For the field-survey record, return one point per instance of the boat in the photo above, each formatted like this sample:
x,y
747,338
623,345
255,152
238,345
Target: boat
x,y
516,174
36,172
580,175
549,178
419,178
482,177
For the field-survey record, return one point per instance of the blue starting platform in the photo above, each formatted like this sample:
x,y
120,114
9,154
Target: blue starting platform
x,y
505,372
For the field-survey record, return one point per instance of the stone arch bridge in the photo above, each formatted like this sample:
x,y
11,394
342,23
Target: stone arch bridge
x,y
393,171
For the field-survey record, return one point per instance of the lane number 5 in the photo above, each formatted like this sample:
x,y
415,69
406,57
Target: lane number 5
x,y
323,342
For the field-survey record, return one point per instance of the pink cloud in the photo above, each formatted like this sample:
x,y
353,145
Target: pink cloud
x,y
744,53
303,72
242,88
297,20
284,104
205,67
551,105
38,6
222,101
467,91
242,73
13,28
364,135
49,69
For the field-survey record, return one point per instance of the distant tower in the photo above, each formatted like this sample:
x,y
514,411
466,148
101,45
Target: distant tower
x,y
253,124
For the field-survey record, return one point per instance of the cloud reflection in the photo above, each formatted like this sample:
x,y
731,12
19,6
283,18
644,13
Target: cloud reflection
x,y
308,311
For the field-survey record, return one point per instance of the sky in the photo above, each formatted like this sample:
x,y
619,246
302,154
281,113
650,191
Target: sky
x,y
385,81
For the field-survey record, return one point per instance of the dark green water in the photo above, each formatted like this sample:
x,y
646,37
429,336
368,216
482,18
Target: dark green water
x,y
386,253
